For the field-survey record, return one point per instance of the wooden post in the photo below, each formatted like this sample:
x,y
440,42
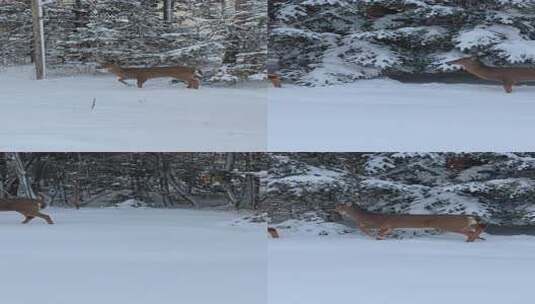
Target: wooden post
x,y
38,39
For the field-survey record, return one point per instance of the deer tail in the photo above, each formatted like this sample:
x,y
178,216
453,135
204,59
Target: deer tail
x,y
198,73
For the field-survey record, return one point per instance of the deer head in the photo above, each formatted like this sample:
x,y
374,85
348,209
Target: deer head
x,y
343,209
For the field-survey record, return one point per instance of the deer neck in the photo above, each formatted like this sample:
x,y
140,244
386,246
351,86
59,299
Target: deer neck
x,y
477,68
115,69
358,213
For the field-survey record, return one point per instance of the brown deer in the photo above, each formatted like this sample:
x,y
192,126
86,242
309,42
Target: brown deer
x,y
507,76
28,207
463,224
458,163
189,75
273,232
275,80
272,66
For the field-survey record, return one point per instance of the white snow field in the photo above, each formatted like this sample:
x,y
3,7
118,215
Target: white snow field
x,y
132,256
98,113
387,115
441,269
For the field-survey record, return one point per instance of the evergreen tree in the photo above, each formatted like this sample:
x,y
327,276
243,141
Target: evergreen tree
x,y
334,41
226,39
15,33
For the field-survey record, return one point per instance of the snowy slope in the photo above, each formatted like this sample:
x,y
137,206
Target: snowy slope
x,y
438,269
386,115
98,113
132,255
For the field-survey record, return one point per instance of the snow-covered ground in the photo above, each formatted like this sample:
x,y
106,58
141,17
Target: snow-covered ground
x,y
386,115
308,269
129,255
98,113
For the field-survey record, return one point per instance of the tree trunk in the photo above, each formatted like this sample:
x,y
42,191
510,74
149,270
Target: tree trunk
x,y
251,191
229,161
163,172
168,10
227,185
24,183
38,39
176,185
3,175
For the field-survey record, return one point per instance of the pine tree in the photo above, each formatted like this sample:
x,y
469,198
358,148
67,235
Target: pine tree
x,y
326,42
15,33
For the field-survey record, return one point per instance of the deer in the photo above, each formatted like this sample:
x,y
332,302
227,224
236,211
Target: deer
x,y
507,76
29,208
189,75
467,225
275,80
273,232
272,66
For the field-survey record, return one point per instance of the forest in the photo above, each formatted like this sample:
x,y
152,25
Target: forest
x,y
497,187
320,43
227,39
160,180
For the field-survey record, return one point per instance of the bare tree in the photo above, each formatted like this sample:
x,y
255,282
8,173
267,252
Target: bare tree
x,y
24,183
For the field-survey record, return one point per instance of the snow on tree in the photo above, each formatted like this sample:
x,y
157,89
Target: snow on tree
x,y
161,180
226,39
326,42
495,186
15,33
134,33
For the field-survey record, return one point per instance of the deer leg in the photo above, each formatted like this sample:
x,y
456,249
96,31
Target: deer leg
x,y
276,83
27,219
45,217
508,86
193,84
383,232
479,229
465,233
275,80
364,229
121,80
140,82
470,236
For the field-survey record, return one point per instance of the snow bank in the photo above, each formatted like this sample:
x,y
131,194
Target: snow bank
x,y
133,256
97,113
131,203
386,115
441,268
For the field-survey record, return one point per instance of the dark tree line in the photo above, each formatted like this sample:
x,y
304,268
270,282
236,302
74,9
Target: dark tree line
x,y
157,179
